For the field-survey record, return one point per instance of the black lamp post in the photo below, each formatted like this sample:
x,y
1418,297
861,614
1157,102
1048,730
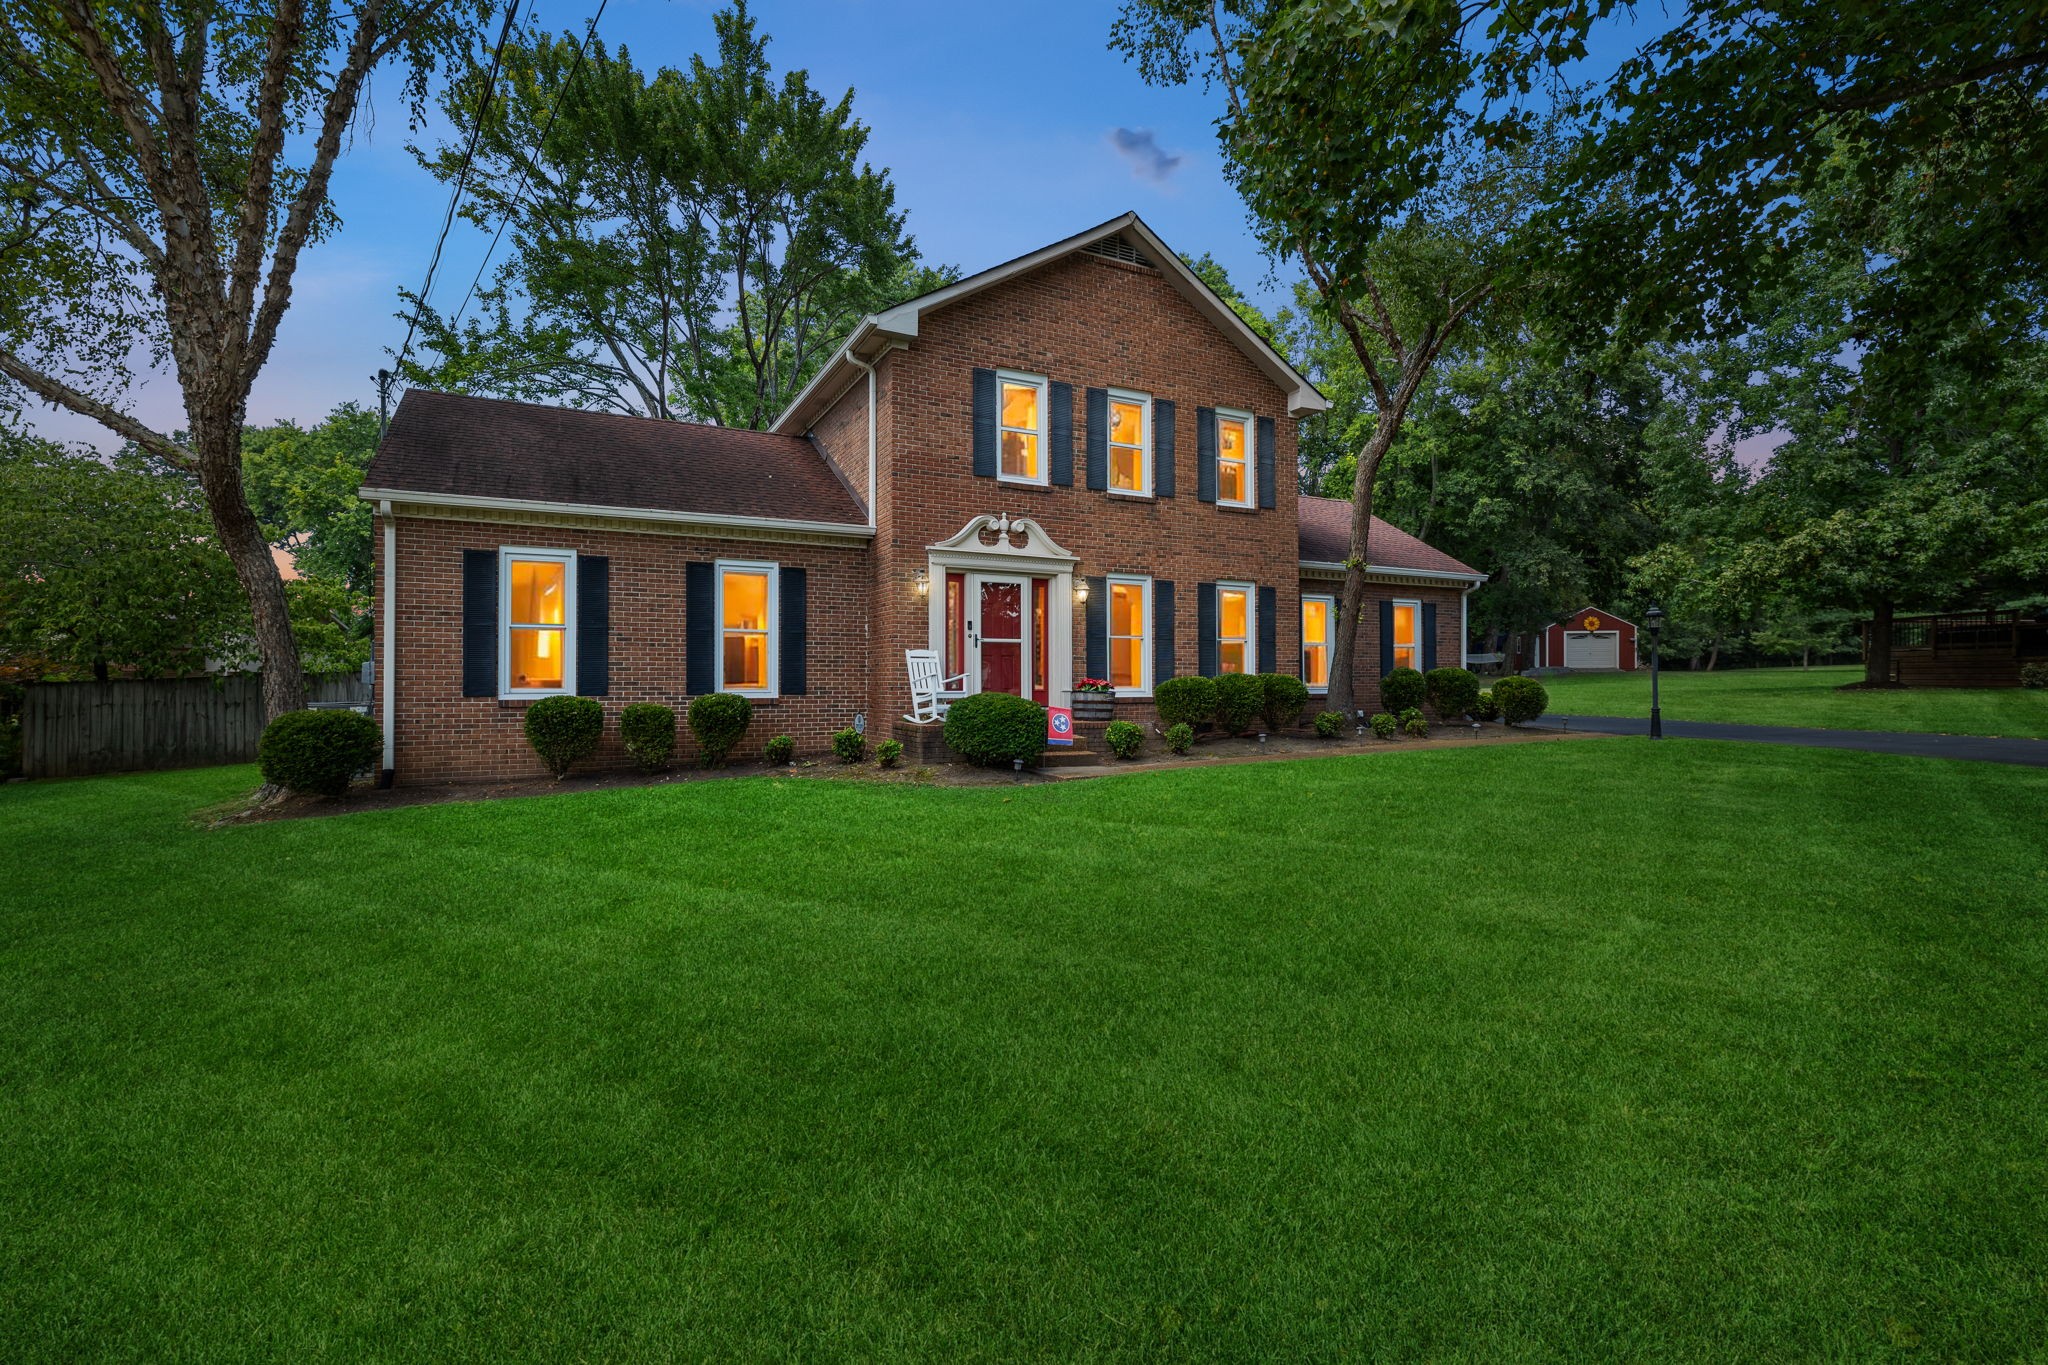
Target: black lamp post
x,y
1654,619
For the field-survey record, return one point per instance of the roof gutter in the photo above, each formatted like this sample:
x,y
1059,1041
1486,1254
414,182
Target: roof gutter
x,y
716,520
1447,575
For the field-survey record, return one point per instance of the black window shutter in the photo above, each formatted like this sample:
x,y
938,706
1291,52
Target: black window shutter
x,y
1386,637
1162,631
1205,454
1097,628
593,625
1098,439
1267,442
700,630
1061,432
1162,446
1205,625
479,623
792,630
1428,636
1269,623
984,424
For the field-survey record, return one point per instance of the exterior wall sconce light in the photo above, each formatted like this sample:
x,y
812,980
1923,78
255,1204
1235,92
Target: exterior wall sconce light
x,y
924,584
1080,590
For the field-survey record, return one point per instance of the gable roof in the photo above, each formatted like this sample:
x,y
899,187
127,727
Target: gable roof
x,y
1123,236
489,451
1326,539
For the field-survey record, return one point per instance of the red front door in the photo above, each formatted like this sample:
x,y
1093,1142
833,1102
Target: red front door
x,y
1003,644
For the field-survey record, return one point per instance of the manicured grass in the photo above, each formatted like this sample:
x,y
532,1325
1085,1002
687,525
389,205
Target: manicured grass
x,y
1574,1051
1800,696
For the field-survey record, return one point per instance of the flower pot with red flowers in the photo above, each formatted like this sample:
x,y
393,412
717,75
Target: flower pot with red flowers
x,y
1094,699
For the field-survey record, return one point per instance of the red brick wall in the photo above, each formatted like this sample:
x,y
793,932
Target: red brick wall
x,y
1365,659
445,736
1088,322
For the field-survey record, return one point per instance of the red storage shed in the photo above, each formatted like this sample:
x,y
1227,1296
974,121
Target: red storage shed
x,y
1589,640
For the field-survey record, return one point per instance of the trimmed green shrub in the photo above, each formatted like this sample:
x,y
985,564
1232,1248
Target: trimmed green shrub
x,y
318,752
781,751
563,730
1453,692
2034,675
1401,689
718,720
1125,739
1180,738
1239,698
1186,701
1283,698
888,752
1414,724
1384,725
996,728
1520,699
1329,725
648,730
849,745
1485,708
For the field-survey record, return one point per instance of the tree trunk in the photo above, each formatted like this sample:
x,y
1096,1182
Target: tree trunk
x,y
99,670
1877,647
1351,605
217,443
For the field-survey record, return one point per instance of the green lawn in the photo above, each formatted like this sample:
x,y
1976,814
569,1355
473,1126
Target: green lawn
x,y
1570,1051
1799,696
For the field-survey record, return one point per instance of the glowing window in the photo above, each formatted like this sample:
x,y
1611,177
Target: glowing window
x,y
1318,615
1233,463
1129,415
746,623
1129,634
1233,628
535,610
1408,635
1023,417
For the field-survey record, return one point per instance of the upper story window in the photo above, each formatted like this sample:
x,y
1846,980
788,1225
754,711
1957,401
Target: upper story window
x,y
1233,458
539,634
1408,635
1130,634
1318,616
1130,435
1234,627
1021,437
746,623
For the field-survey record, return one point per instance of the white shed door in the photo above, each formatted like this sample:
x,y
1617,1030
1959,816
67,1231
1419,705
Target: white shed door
x,y
1592,649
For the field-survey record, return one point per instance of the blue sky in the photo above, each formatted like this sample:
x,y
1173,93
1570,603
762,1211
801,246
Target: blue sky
x,y
999,124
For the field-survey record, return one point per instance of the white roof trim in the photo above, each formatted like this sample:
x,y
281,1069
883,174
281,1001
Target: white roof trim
x,y
1327,566
402,496
900,324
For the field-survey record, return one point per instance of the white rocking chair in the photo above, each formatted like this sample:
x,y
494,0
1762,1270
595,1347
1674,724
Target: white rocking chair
x,y
926,683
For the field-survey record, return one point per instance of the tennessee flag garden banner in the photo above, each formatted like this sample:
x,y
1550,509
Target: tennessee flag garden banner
x,y
1059,725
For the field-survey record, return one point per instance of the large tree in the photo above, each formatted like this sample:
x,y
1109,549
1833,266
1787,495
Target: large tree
x,y
165,167
1345,130
690,244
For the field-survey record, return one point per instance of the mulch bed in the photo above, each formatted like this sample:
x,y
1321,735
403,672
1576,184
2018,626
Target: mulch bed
x,y
1210,749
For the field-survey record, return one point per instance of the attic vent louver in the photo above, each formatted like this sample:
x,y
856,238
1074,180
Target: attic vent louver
x,y
1118,249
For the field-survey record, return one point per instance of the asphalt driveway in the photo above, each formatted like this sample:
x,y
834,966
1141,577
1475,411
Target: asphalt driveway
x,y
1981,748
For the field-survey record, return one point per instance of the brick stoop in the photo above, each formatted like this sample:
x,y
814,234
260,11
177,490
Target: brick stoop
x,y
1073,756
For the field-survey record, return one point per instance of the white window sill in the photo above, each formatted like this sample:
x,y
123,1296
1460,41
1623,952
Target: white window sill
x,y
538,695
1131,494
1021,482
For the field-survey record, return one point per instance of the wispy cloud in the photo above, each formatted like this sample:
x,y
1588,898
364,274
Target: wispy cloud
x,y
1140,147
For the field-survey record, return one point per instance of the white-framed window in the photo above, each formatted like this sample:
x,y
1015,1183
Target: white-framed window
x,y
747,592
1020,431
1130,443
1318,640
1234,458
1408,635
1130,634
536,622
1236,609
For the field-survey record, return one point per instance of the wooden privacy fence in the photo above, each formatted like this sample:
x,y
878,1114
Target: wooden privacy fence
x,y
74,729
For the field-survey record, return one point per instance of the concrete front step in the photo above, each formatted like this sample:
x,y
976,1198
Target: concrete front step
x,y
1075,756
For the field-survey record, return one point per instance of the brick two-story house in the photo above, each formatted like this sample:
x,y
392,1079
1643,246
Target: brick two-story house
x,y
1079,463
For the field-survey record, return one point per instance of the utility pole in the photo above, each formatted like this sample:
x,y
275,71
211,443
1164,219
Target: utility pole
x,y
383,380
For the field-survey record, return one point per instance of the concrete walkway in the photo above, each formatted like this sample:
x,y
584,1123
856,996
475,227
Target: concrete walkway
x,y
2032,752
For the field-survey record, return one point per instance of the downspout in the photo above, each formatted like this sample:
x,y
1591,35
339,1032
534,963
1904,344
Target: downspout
x,y
869,367
388,673
1465,629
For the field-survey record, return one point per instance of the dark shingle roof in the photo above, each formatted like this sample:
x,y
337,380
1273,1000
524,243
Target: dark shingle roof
x,y
495,448
1326,539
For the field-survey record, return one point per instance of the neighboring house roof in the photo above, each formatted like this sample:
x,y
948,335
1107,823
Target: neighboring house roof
x,y
878,331
492,450
1326,539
